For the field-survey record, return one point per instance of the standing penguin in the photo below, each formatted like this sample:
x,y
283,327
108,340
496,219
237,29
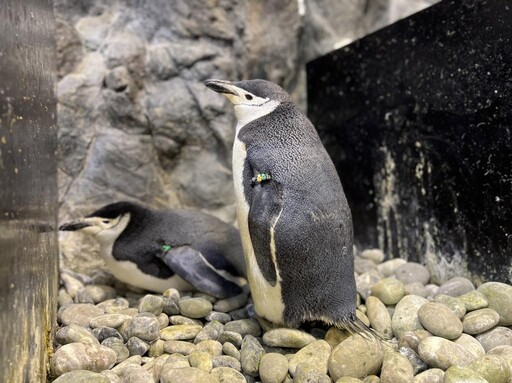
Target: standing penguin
x,y
159,249
294,220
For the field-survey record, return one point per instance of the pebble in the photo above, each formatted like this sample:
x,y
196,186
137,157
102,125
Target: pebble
x,y
230,304
180,319
375,255
434,375
493,368
362,265
151,304
186,375
349,379
137,346
456,286
112,306
102,333
80,314
71,284
474,300
108,320
81,376
144,326
177,361
315,354
73,334
364,282
82,296
416,288
499,297
195,307
212,347
232,337
180,332
441,353
287,337
64,298
133,373
117,345
227,361
156,348
412,272
178,346
273,368
379,317
471,344
79,356
250,355
211,330
231,350
388,290
201,360
170,306
345,359
498,336
412,339
455,304
457,374
100,293
244,327
227,375
388,268
418,365
163,320
506,353
306,374
478,321
156,366
405,317
439,320
335,336
218,316
396,368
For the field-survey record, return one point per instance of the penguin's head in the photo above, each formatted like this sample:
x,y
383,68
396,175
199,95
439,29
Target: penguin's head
x,y
106,223
251,98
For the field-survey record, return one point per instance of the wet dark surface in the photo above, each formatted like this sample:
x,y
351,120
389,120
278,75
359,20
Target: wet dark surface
x,y
28,188
418,120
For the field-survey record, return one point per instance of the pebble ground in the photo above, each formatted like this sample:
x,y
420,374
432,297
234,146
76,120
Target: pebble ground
x,y
453,333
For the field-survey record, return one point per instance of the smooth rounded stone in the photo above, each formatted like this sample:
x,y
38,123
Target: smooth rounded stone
x,y
389,267
231,350
456,374
375,255
111,376
100,293
371,379
346,358
471,344
306,374
439,320
250,355
144,326
186,375
441,353
135,374
64,298
506,353
493,368
195,307
273,368
379,317
155,366
396,368
131,312
388,290
170,306
112,306
227,361
82,296
499,297
315,354
71,284
456,286
117,345
173,294
156,348
132,360
73,334
82,376
405,317
218,316
498,336
415,288
102,333
362,317
79,356
227,375
362,265
80,314
411,339
212,347
201,360
146,359
137,346
412,272
178,346
244,327
108,320
180,332
432,290
177,361
230,304
434,375
163,320
287,337
364,282
455,304
239,314
474,300
418,365
479,321
151,304
180,319
231,337
335,336
348,379
211,331
208,297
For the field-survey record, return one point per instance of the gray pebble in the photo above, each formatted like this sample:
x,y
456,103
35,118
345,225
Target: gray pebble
x,y
170,306
396,368
211,330
180,332
349,379
434,375
239,314
375,255
187,374
498,336
412,272
102,333
177,361
307,374
362,265
218,316
227,361
388,290
144,326
212,347
71,284
287,337
111,376
79,356
163,320
155,366
82,296
415,288
506,353
364,282
81,376
412,339
227,375
156,348
230,304
454,304
73,334
418,365
201,360
474,300
133,373
102,277
457,374
478,321
273,368
405,317
151,304
173,294
315,354
335,336
195,307
231,350
441,353
100,293
132,360
250,355
244,327
80,314
456,286
113,306
432,290
470,344
499,297
208,297
122,352
109,320
493,368
232,337
64,298
379,317
178,346
180,319
389,268
439,320
137,346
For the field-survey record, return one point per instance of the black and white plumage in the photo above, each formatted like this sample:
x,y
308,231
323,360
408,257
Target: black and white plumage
x,y
294,220
161,249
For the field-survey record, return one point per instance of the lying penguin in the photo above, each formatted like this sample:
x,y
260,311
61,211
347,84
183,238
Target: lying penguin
x,y
160,249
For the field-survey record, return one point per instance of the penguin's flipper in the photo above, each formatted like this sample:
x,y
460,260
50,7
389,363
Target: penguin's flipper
x,y
192,266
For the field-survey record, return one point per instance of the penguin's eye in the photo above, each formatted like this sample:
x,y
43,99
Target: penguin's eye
x,y
248,97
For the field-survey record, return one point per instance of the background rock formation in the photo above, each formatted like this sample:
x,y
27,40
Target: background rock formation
x,y
135,121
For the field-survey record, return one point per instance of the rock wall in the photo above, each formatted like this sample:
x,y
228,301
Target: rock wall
x,y
136,122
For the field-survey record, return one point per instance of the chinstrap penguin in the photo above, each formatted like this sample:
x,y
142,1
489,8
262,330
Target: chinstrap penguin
x,y
160,249
293,216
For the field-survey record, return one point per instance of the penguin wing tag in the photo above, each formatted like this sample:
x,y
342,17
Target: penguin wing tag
x,y
193,267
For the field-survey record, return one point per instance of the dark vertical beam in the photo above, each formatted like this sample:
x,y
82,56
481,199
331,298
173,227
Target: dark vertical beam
x,y
28,188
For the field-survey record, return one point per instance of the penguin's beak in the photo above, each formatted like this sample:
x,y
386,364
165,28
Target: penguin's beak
x,y
75,225
222,87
